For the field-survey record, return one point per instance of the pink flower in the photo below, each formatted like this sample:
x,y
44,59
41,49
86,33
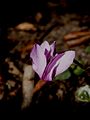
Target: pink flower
x,y
47,64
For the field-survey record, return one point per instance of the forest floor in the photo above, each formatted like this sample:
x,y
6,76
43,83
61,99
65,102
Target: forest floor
x,y
58,95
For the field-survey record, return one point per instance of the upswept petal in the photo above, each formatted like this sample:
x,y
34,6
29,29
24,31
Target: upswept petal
x,y
48,55
47,75
52,47
39,60
45,45
65,61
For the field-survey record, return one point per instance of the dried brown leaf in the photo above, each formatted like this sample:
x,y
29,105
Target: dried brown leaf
x,y
26,26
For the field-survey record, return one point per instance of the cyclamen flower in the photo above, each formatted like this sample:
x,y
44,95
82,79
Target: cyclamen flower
x,y
47,64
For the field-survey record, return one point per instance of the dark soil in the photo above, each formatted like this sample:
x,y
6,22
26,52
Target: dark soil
x,y
52,26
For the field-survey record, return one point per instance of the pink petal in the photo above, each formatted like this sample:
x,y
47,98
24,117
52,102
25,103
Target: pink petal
x,y
50,68
45,45
65,61
52,47
39,60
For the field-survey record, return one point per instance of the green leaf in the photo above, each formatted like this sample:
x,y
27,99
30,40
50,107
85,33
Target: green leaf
x,y
83,94
87,50
63,76
72,66
78,71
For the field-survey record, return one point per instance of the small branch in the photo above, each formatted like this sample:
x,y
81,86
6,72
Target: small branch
x,y
86,74
78,41
27,86
79,64
74,35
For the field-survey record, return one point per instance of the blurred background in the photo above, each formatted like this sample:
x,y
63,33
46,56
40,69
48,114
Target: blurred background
x,y
22,24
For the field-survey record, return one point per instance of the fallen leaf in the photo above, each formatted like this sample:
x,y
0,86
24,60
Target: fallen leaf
x,y
26,48
26,26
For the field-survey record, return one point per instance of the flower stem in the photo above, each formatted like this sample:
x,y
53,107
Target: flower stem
x,y
39,85
79,64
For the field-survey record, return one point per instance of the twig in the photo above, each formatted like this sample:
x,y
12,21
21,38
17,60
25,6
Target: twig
x,y
79,64
74,35
78,41
27,86
85,73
